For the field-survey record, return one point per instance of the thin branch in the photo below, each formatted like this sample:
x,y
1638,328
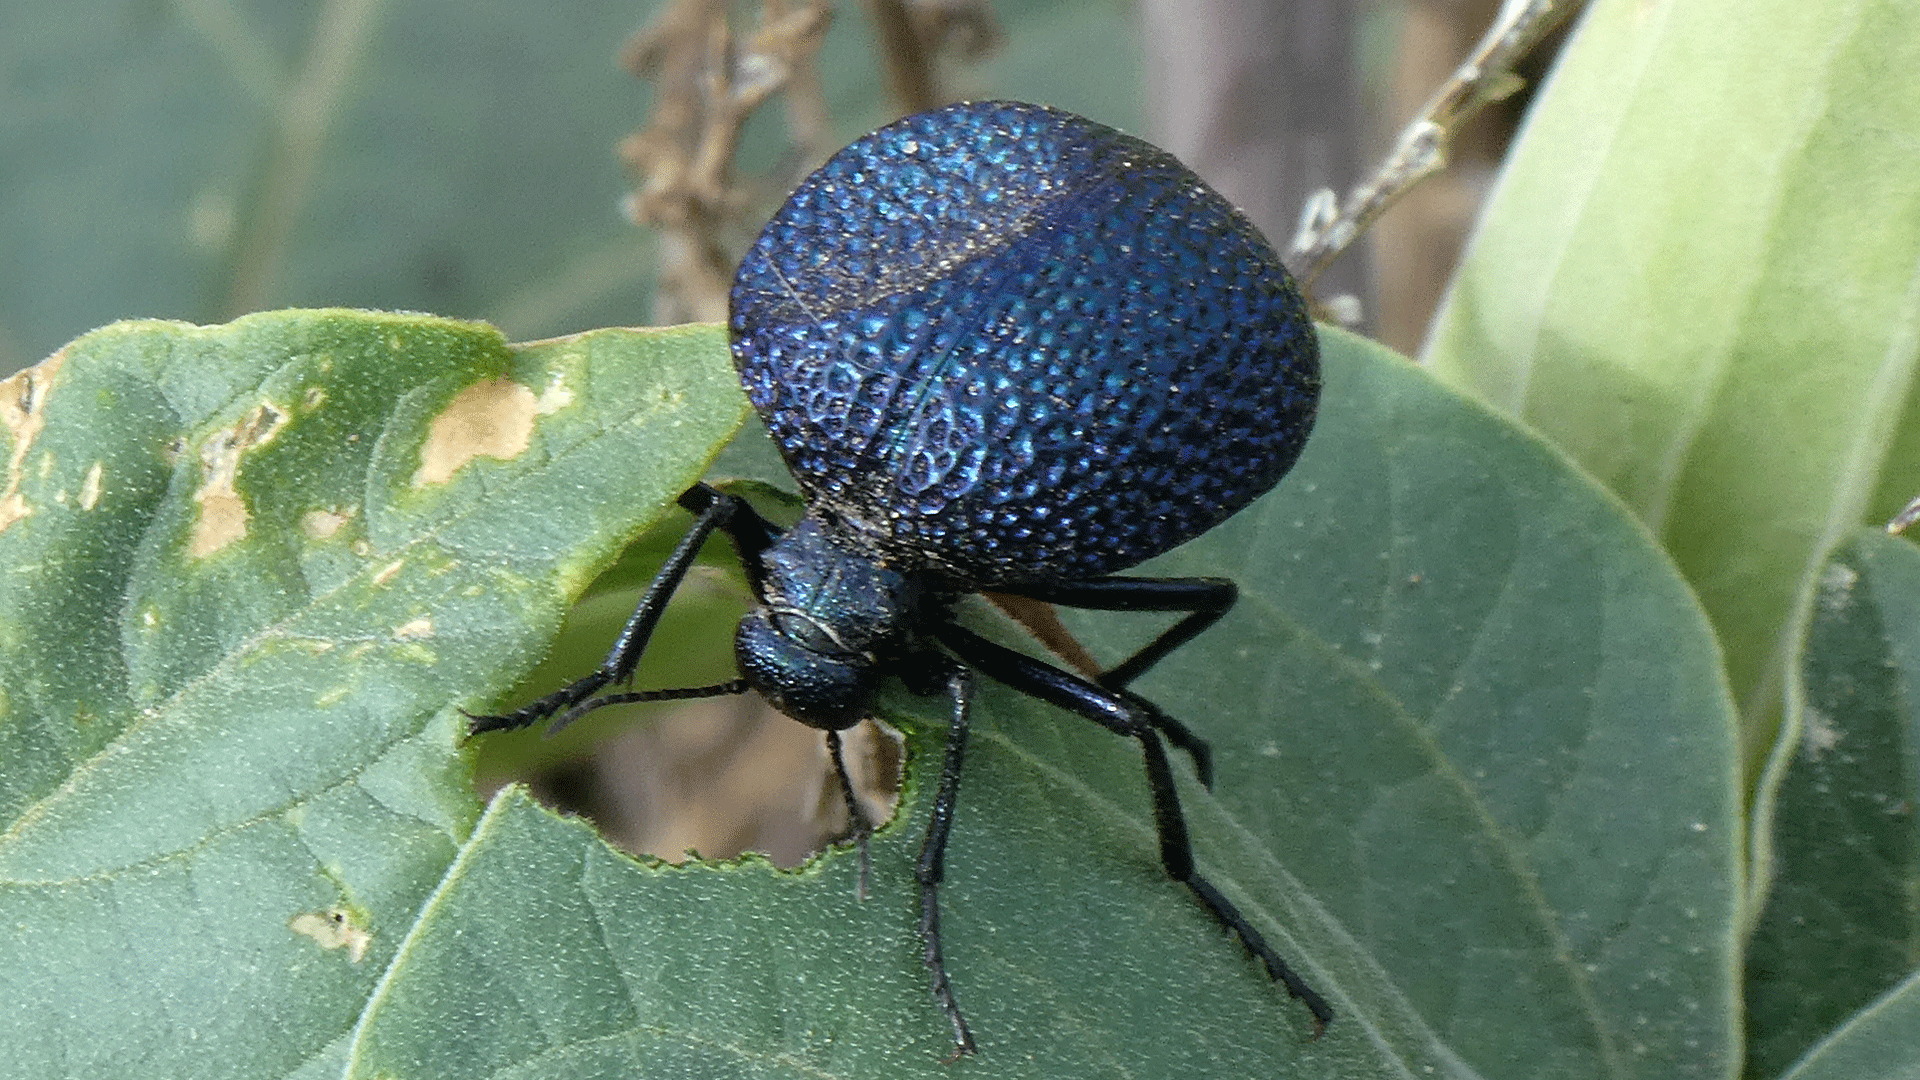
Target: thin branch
x,y
1905,518
1328,227
909,68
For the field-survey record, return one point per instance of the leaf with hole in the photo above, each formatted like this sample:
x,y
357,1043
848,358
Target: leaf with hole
x,y
1477,770
250,570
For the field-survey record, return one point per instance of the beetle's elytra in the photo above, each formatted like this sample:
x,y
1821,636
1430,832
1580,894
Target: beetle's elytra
x,y
1008,344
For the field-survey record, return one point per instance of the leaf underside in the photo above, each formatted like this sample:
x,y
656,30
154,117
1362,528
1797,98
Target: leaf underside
x,y
1700,275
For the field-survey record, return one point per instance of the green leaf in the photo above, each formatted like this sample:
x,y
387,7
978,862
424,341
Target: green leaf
x,y
1877,1044
1839,924
1477,782
1700,275
1466,845
250,571
1478,719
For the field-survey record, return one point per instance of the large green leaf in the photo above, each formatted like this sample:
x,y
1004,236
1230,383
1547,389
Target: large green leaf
x,y
1876,1044
250,571
1700,274
1477,780
1481,722
1839,927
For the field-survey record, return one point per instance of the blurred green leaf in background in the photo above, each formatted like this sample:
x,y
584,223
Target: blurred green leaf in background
x,y
204,158
1700,274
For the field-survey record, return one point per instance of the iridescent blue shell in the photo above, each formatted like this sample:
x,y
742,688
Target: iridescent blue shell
x,y
1005,344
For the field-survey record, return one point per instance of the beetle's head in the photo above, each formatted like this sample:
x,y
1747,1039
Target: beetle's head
x,y
799,665
829,613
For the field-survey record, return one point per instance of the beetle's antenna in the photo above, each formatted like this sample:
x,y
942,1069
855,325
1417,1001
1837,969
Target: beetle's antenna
x,y
731,686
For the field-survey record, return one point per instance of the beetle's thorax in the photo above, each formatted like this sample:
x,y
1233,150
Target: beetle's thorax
x,y
830,615
814,573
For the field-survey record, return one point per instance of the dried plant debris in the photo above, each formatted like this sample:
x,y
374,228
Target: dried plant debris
x,y
915,33
707,82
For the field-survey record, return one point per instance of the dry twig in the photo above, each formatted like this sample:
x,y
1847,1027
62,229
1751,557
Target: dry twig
x,y
1328,227
707,83
1904,519
913,33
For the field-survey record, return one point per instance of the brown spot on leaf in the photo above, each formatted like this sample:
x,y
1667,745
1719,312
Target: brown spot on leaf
x,y
492,418
23,412
421,627
322,524
223,513
333,928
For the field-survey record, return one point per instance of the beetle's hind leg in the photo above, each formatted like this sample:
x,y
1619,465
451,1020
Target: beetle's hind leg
x,y
1119,712
1203,600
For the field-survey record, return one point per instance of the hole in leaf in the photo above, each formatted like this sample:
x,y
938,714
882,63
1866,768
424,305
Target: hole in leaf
x,y
716,777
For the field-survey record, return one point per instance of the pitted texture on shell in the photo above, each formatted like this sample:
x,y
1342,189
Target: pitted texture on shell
x,y
1008,344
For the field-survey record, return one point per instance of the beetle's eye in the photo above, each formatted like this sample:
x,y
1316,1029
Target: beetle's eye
x,y
803,631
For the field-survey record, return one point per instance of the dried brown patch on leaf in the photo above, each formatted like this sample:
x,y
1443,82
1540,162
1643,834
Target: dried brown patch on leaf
x,y
334,928
323,524
492,418
223,511
23,411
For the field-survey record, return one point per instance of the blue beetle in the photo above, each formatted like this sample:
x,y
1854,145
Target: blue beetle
x,y
1000,347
